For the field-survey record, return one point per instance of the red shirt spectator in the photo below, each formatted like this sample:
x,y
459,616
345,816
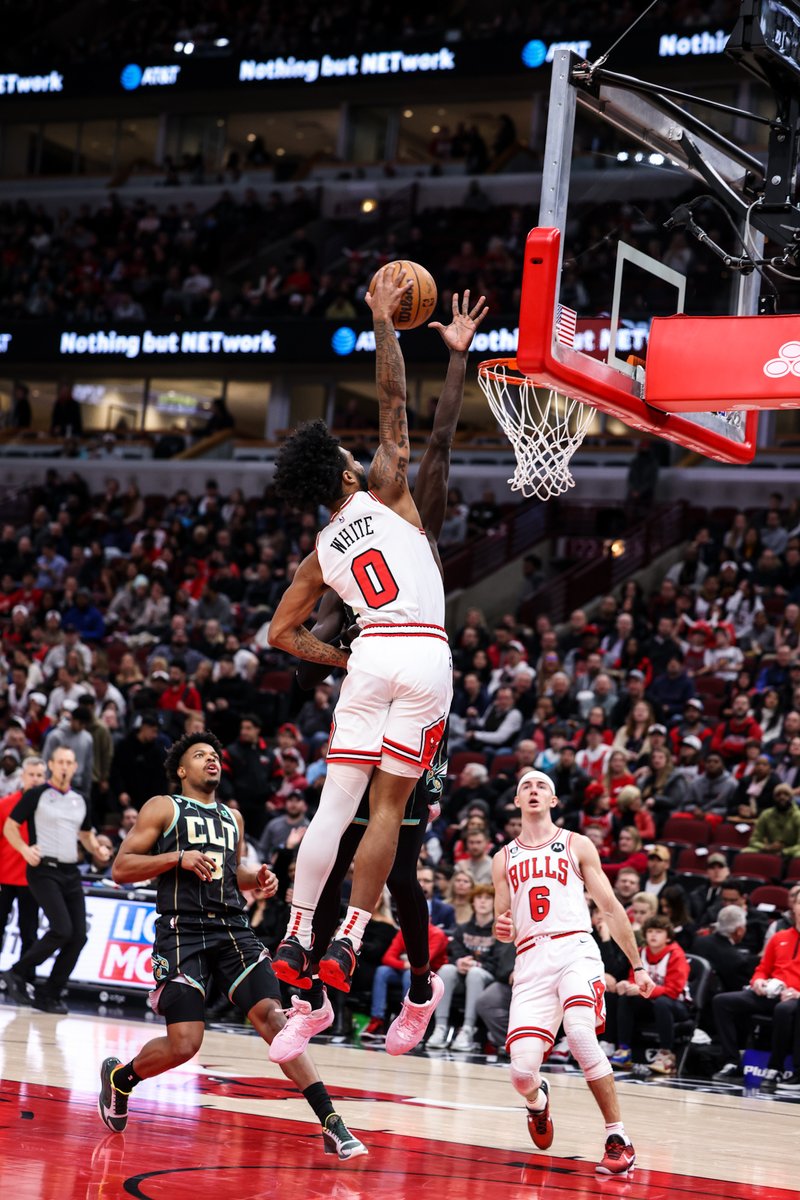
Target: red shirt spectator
x,y
438,942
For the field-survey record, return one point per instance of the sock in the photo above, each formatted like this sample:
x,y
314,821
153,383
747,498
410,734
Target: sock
x,y
353,926
317,1096
539,1102
315,994
419,990
125,1079
616,1127
300,926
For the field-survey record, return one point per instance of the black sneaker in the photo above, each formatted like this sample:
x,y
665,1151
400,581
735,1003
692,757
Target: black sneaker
x,y
792,1084
337,967
16,989
769,1084
337,1139
112,1104
292,963
729,1073
48,1003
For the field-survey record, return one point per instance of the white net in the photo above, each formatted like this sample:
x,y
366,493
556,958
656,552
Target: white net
x,y
544,427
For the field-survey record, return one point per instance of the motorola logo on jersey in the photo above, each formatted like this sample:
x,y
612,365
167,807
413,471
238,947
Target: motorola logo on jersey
x,y
557,847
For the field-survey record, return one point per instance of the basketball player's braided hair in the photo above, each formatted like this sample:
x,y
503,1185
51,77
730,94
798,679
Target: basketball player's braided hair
x,y
179,748
308,469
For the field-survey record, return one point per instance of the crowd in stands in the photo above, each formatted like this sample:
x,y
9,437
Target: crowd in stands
x,y
669,722
135,261
284,27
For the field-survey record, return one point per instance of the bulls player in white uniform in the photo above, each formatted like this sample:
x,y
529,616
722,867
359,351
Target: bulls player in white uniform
x,y
539,881
394,701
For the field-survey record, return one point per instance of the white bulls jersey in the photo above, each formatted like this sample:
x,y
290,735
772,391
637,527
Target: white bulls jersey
x,y
546,889
380,565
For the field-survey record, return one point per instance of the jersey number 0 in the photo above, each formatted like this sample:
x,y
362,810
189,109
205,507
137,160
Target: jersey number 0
x,y
375,581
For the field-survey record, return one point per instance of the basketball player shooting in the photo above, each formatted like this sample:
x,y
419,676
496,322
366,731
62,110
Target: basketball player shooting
x,y
313,1013
395,697
192,844
539,881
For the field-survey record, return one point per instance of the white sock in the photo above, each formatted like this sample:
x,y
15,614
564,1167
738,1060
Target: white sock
x,y
353,926
300,925
538,1103
616,1127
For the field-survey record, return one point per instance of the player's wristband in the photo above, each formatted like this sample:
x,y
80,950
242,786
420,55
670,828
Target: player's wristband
x,y
639,968
180,858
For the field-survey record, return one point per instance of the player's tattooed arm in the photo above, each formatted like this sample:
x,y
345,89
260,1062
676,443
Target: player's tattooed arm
x,y
287,630
388,474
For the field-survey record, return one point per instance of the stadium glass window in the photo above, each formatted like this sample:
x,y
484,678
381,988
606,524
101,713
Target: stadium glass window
x,y
190,136
97,148
20,150
59,147
110,405
137,145
444,132
248,404
371,134
42,395
182,404
262,140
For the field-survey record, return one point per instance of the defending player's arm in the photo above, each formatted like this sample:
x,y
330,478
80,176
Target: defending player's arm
x,y
504,929
388,474
287,628
135,862
430,487
246,878
600,890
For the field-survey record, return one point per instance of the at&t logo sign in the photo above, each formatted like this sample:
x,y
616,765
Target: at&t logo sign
x,y
133,76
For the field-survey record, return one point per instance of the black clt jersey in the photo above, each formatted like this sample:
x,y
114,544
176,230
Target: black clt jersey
x,y
211,828
429,789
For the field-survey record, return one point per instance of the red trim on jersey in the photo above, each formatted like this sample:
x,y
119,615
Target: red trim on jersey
x,y
402,756
374,497
354,756
572,860
529,942
405,629
549,841
579,1002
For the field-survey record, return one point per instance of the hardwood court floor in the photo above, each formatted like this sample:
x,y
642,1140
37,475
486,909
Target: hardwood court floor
x,y
227,1124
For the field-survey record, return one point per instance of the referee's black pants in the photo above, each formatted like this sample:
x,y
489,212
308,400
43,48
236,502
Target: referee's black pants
x,y
56,887
27,913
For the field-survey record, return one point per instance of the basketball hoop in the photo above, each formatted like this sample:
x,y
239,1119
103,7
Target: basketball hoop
x,y
544,427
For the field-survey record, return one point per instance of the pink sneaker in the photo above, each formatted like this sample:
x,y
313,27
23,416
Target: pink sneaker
x,y
302,1023
408,1029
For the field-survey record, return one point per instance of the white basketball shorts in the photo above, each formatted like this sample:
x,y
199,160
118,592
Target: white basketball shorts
x,y
394,699
555,974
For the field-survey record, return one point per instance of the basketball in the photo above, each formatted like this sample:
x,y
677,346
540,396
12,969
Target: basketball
x,y
419,302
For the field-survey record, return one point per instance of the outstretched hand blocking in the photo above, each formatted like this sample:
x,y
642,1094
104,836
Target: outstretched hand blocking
x,y
458,335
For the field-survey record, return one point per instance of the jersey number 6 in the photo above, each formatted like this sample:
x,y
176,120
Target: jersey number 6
x,y
375,581
539,900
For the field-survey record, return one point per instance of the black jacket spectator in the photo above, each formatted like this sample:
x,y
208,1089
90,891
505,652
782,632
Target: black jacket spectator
x,y
138,765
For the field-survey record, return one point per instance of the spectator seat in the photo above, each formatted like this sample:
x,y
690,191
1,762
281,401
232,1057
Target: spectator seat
x,y
727,837
462,758
758,866
771,894
503,763
683,831
701,976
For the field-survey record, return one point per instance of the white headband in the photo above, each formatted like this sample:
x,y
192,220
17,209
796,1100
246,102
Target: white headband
x,y
536,775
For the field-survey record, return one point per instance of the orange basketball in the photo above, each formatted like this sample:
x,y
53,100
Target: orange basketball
x,y
419,302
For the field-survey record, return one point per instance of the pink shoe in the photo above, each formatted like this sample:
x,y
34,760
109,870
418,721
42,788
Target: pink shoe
x,y
408,1030
302,1023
